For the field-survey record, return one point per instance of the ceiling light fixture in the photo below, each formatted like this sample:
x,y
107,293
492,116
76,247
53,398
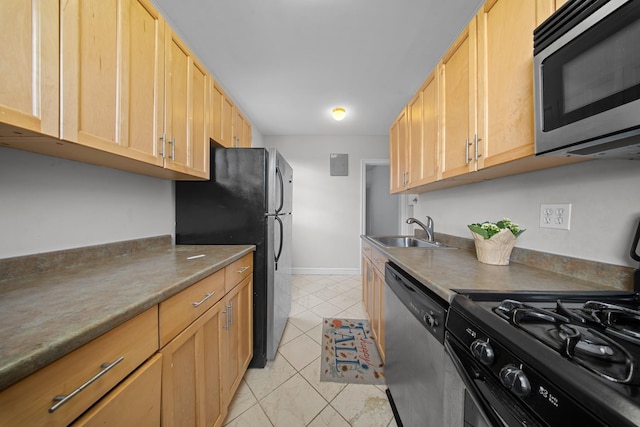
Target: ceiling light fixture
x,y
338,113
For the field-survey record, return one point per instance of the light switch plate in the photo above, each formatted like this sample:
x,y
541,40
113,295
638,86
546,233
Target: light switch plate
x,y
556,216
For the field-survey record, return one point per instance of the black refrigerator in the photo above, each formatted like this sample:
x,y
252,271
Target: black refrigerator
x,y
248,200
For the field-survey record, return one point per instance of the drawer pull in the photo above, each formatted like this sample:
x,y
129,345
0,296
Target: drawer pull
x,y
226,322
206,297
243,269
62,399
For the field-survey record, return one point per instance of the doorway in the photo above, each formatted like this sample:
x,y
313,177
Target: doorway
x,y
380,209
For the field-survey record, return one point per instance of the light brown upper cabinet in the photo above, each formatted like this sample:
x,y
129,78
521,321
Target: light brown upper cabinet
x,y
457,85
423,134
481,114
229,127
241,130
399,153
113,77
505,80
29,48
186,134
222,116
131,87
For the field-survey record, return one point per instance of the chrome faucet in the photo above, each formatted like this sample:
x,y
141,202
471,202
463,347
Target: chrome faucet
x,y
427,228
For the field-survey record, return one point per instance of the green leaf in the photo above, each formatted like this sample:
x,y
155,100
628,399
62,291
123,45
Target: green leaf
x,y
477,228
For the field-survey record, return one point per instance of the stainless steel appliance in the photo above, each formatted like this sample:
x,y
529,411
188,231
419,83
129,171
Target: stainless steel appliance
x,y
247,201
587,80
549,359
414,355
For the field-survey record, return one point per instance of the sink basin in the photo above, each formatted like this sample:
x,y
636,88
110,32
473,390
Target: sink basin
x,y
407,242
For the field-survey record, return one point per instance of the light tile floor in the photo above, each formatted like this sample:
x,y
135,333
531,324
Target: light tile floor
x,y
288,391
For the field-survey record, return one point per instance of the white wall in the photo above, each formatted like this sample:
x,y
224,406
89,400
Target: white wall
x,y
49,204
605,198
326,218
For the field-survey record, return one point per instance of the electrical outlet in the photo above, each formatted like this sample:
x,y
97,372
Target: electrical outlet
x,y
556,216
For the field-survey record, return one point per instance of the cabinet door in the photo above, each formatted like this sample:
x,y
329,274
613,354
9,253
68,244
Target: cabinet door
x,y
186,109
237,327
423,134
29,48
227,122
246,133
134,402
457,104
415,139
505,80
241,130
217,96
112,74
398,154
245,319
379,313
191,374
429,172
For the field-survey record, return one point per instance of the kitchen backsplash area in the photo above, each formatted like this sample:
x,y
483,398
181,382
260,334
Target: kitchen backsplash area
x,y
50,204
604,213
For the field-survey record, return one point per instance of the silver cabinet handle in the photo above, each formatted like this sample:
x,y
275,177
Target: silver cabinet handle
x,y
466,152
243,269
477,141
173,149
62,399
163,140
206,297
230,309
226,320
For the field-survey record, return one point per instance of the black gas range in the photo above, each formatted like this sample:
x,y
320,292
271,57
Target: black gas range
x,y
549,359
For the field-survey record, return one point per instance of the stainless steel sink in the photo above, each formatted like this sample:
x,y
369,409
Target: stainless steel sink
x,y
408,242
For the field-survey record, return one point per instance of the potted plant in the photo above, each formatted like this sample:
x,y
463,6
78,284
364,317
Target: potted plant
x,y
495,241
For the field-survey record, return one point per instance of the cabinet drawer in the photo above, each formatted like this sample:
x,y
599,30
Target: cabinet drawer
x,y
182,309
378,261
135,401
31,401
238,270
366,249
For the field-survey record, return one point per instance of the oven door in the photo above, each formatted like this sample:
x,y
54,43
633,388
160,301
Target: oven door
x,y
486,402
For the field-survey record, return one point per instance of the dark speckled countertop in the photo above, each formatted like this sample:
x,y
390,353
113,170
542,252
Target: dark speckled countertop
x,y
446,270
46,315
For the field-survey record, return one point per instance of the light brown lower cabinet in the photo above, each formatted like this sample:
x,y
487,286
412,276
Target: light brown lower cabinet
x,y
134,402
237,347
204,363
59,393
121,379
191,373
373,292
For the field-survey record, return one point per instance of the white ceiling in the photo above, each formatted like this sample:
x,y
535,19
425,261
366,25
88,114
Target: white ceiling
x,y
287,63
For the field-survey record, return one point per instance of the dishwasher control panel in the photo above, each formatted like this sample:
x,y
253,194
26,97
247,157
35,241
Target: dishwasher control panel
x,y
429,310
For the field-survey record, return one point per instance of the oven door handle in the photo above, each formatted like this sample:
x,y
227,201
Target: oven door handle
x,y
481,402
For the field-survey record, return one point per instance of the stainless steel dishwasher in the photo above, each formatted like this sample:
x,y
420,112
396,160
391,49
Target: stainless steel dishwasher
x,y
415,358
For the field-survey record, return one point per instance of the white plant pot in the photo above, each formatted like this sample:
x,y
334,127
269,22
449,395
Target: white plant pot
x,y
497,249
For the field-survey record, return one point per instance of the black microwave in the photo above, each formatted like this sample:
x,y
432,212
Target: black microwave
x,y
586,61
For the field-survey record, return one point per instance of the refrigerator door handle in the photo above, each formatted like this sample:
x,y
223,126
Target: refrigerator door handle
x,y
277,218
281,181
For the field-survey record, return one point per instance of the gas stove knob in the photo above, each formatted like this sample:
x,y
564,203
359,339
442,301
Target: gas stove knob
x,y
430,320
483,352
515,380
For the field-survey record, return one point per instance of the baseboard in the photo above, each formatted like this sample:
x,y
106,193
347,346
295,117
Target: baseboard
x,y
329,271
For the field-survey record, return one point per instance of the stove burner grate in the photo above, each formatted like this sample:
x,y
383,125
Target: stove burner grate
x,y
567,331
